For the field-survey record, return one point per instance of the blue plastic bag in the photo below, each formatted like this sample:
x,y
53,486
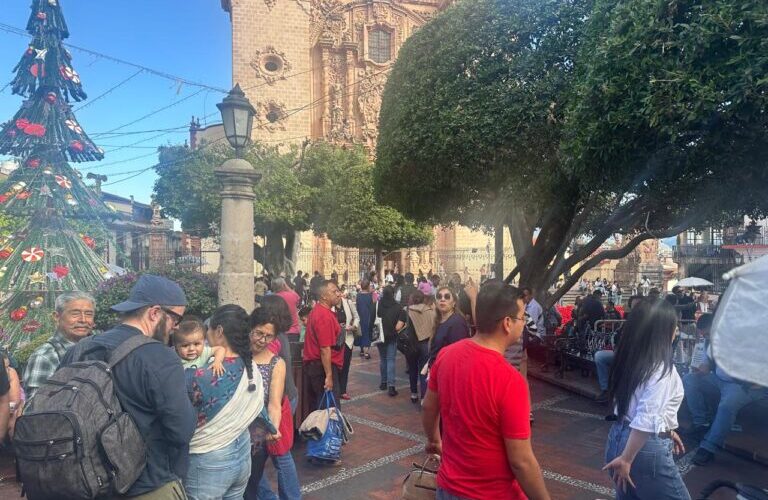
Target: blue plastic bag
x,y
328,447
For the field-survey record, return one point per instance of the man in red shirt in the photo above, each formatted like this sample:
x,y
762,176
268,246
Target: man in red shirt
x,y
322,361
483,405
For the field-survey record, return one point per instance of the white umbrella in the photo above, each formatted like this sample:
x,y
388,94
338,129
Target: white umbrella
x,y
740,327
694,282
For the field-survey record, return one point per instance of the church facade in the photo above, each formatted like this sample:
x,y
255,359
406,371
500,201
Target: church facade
x,y
316,69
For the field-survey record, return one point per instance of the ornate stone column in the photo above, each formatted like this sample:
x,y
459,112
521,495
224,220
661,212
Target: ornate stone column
x,y
237,178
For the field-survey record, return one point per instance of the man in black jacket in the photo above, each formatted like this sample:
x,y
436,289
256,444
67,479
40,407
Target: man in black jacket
x,y
150,383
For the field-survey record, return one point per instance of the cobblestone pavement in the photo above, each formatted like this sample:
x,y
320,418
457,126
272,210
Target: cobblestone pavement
x,y
568,438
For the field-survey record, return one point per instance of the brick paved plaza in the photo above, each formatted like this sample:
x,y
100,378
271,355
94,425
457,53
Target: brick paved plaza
x,y
568,437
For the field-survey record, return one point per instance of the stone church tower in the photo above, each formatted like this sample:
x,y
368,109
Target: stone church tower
x,y
316,69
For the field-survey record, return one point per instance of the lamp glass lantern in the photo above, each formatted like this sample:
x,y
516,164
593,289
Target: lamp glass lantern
x,y
237,114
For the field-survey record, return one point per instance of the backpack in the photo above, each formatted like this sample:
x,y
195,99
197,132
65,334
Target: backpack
x,y
74,441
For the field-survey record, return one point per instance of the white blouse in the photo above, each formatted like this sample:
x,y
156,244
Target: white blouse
x,y
654,405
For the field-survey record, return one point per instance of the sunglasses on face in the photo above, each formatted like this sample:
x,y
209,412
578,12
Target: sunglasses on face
x,y
174,315
444,296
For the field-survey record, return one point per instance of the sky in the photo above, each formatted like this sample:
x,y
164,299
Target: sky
x,y
189,39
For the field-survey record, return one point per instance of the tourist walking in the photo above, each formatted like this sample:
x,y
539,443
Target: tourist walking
x,y
149,382
451,325
278,446
322,359
481,404
220,450
292,300
349,321
392,320
423,315
366,310
647,393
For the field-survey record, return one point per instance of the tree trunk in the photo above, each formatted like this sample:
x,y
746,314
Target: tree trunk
x,y
499,251
275,253
291,252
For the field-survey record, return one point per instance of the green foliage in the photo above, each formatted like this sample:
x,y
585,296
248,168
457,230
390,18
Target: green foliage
x,y
200,289
580,119
9,224
348,212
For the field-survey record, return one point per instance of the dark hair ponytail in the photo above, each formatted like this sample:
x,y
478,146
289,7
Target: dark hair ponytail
x,y
234,321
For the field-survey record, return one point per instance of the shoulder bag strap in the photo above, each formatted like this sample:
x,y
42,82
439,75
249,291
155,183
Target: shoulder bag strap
x,y
127,347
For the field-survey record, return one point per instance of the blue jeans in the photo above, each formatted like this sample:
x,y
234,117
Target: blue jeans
x,y
387,353
733,397
287,480
444,495
603,362
220,474
653,471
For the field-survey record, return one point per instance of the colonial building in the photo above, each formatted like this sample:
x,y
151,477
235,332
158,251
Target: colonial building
x,y
316,69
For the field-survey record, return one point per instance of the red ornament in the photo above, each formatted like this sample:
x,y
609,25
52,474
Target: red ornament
x,y
89,242
30,50
22,123
23,195
37,68
18,314
33,254
42,16
60,271
76,146
35,129
5,253
3,198
31,326
62,181
51,97
33,162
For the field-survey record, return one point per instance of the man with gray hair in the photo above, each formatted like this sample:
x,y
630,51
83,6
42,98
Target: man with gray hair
x,y
74,315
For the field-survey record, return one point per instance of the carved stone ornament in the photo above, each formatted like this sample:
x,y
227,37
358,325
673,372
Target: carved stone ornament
x,y
270,3
370,88
270,115
319,14
270,64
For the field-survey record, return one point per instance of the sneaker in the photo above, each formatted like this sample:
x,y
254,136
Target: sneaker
x,y
345,397
414,398
702,456
383,386
602,397
392,392
531,420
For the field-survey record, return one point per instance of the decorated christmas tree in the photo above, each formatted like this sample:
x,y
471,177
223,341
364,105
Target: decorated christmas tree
x,y
49,255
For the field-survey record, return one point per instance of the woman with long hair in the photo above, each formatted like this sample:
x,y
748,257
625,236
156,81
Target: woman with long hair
x,y
450,325
220,450
647,392
366,310
279,311
392,320
422,313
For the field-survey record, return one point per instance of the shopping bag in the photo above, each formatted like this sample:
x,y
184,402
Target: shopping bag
x,y
377,332
421,481
328,447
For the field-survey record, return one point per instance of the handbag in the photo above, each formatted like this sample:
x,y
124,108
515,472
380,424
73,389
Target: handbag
x,y
377,332
328,447
285,443
406,338
421,481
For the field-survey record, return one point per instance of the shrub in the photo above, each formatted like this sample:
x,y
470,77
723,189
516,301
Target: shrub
x,y
201,291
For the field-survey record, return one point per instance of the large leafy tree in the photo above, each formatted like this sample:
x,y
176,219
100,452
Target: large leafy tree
x,y
318,186
580,119
348,211
188,190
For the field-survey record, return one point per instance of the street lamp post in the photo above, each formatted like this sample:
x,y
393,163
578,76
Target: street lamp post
x,y
237,177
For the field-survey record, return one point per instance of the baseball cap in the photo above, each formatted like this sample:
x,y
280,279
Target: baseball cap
x,y
152,290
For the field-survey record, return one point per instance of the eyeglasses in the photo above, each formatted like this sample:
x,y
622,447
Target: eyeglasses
x,y
513,318
444,296
174,315
258,335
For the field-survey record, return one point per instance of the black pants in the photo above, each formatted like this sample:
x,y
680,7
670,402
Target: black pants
x,y
344,375
258,461
314,379
415,364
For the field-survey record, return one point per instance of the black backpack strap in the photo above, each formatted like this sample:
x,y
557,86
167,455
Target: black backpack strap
x,y
127,347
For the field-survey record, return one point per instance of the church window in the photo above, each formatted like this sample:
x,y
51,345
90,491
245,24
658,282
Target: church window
x,y
379,45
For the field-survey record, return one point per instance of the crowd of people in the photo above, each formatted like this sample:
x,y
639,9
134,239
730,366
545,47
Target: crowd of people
x,y
215,399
